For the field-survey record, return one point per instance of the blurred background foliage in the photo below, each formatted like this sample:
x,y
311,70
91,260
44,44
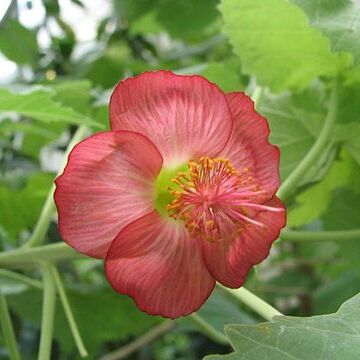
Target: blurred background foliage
x,y
59,60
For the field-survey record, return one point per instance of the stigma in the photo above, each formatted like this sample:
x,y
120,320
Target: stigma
x,y
215,200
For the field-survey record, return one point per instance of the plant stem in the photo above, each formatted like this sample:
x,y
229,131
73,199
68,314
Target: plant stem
x,y
151,335
7,329
52,253
252,301
69,314
209,330
289,186
21,278
48,312
43,223
338,235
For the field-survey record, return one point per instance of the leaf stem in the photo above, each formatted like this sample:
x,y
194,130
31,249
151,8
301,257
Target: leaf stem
x,y
69,314
209,330
43,223
21,278
30,256
48,312
258,305
334,235
7,329
148,337
290,184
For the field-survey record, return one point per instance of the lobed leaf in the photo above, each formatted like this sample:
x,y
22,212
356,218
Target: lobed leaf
x,y
276,44
331,337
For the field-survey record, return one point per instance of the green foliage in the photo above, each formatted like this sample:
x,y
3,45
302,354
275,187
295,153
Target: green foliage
x,y
275,43
330,337
294,50
18,43
22,206
315,201
39,104
186,19
295,121
339,20
226,76
113,316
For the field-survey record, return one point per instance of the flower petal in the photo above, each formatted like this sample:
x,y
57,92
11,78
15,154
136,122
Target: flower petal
x,y
184,116
155,261
248,146
107,183
230,261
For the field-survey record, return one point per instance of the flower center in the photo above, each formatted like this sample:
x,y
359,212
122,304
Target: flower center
x,y
214,199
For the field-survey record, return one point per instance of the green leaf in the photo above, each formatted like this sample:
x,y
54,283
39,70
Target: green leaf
x,y
187,19
348,129
131,9
75,94
225,75
295,120
219,311
276,44
312,203
22,207
349,134
102,315
343,213
18,43
109,67
329,296
146,24
331,337
339,20
40,105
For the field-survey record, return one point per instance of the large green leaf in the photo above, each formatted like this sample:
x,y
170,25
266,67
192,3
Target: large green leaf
x,y
276,44
40,105
331,337
339,20
18,43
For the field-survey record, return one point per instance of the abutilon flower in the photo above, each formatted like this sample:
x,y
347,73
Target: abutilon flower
x,y
178,195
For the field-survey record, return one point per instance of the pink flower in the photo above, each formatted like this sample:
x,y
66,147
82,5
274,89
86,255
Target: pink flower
x,y
178,195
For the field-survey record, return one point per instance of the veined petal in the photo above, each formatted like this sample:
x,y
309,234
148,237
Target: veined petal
x,y
184,116
107,183
248,147
230,261
155,261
